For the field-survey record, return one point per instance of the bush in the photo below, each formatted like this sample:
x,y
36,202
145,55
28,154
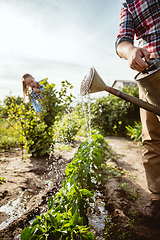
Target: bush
x,y
111,114
38,129
135,132
54,103
37,136
9,135
66,128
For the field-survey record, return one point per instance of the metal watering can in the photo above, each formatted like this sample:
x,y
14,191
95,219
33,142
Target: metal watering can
x,y
148,81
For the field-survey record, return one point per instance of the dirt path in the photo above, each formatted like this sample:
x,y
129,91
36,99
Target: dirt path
x,y
131,160
36,179
116,198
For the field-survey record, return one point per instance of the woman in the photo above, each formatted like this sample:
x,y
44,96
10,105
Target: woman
x,y
28,81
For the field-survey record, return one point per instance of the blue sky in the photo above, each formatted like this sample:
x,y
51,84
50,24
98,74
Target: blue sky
x,y
59,39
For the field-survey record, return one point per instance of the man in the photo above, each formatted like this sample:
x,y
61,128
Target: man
x,y
141,18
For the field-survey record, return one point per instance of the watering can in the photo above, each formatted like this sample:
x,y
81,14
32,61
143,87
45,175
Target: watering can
x,y
148,81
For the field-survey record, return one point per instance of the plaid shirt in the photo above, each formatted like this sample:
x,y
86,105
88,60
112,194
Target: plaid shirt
x,y
35,98
141,18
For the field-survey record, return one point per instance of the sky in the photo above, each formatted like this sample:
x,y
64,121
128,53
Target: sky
x,y
59,40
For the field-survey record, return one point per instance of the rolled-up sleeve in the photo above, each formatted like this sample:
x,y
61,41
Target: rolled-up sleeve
x,y
126,26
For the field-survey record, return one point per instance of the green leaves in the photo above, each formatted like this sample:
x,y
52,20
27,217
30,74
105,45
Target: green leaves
x,y
87,162
37,130
111,114
67,211
66,128
135,132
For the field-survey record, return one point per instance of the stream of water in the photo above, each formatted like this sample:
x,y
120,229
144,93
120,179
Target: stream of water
x,y
15,208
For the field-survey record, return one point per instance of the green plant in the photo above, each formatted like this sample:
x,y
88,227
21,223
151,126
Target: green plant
x,y
9,135
85,168
135,132
36,135
54,103
110,115
132,194
66,128
2,179
37,130
57,223
111,170
67,211
112,230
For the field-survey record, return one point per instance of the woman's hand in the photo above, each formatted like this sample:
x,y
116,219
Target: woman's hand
x,y
36,90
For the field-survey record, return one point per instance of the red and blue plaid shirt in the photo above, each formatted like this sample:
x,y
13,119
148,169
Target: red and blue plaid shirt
x,y
141,18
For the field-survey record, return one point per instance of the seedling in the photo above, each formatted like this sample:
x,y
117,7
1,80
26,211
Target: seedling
x,y
113,232
113,171
132,194
2,179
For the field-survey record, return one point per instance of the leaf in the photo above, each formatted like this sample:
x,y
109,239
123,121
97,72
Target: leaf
x,y
90,236
97,161
53,220
35,222
33,229
50,203
73,178
26,233
74,219
85,168
34,237
86,192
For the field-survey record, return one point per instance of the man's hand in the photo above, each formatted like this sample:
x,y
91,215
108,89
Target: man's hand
x,y
137,57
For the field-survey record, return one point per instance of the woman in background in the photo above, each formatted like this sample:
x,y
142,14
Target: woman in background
x,y
28,81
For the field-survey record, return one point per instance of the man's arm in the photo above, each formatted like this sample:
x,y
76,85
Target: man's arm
x,y
137,57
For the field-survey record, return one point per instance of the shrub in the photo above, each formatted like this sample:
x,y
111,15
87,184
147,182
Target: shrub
x,y
54,103
111,114
36,134
9,135
66,128
38,129
135,132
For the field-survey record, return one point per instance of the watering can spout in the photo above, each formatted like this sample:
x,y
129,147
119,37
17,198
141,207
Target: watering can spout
x,y
93,83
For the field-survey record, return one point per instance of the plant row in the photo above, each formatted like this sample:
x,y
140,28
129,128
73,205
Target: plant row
x,y
67,210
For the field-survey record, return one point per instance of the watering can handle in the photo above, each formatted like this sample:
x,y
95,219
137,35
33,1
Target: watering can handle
x,y
139,102
153,65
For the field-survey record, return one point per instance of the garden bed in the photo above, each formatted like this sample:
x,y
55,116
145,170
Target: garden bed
x,y
34,180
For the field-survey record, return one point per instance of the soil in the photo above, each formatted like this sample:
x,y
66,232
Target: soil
x,y
31,181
